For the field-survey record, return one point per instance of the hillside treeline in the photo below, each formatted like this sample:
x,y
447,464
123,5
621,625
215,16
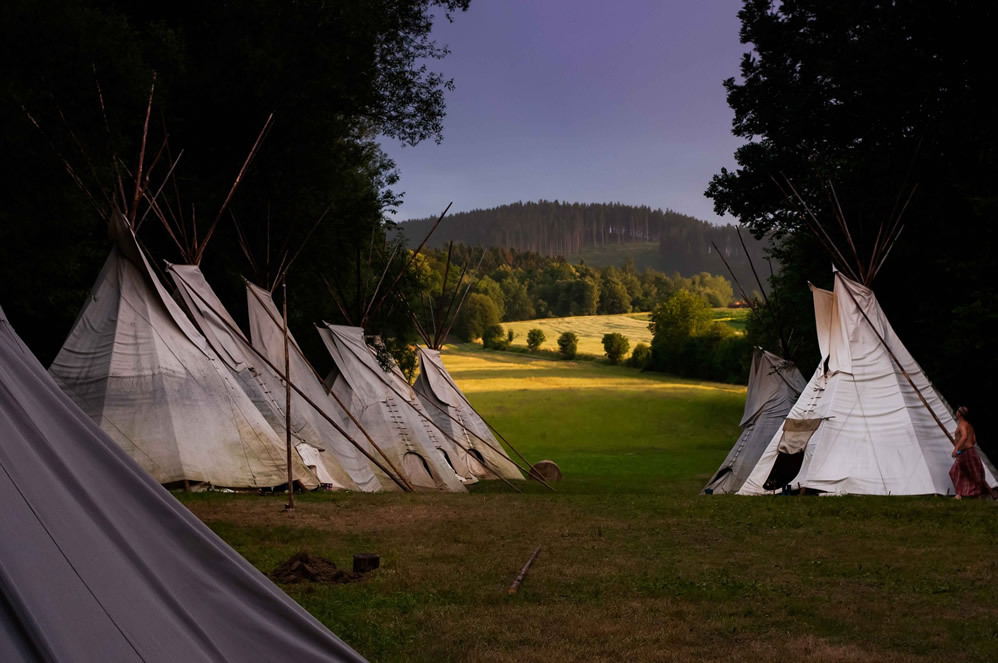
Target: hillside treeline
x,y
511,285
554,228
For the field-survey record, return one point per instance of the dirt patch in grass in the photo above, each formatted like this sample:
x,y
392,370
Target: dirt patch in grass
x,y
302,567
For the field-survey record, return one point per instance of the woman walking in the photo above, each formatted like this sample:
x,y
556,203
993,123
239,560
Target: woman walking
x,y
967,472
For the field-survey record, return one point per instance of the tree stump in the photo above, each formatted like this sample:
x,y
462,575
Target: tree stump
x,y
546,470
365,562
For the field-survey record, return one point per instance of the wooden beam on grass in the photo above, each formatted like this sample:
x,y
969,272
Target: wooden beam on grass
x,y
523,572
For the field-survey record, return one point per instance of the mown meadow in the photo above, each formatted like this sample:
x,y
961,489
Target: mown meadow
x,y
635,565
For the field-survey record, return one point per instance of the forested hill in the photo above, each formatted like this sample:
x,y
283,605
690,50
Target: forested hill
x,y
601,234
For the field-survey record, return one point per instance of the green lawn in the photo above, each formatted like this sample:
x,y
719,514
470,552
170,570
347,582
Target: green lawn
x,y
635,565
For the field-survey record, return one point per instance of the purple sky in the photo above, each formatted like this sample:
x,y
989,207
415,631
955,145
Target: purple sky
x,y
581,101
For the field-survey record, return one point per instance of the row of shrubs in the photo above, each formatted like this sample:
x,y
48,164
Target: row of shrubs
x,y
686,342
615,345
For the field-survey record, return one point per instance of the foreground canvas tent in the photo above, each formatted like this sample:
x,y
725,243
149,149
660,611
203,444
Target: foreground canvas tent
x,y
99,563
860,426
774,385
268,338
389,412
139,368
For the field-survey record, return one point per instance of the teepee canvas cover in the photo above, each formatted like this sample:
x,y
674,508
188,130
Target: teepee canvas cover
x,y
389,412
99,563
452,412
321,447
138,367
268,338
859,427
774,384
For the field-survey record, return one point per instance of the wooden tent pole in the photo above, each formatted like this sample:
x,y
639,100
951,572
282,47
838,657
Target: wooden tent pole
x,y
900,367
762,291
415,253
437,324
287,409
133,211
235,185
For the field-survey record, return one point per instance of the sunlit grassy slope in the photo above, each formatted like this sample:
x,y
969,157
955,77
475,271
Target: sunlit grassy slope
x,y
591,328
635,566
610,428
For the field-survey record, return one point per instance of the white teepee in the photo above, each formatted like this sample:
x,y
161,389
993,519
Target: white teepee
x,y
774,384
388,411
332,457
480,454
268,338
860,427
99,563
139,368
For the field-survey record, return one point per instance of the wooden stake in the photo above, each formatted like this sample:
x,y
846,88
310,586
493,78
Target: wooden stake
x,y
523,572
287,409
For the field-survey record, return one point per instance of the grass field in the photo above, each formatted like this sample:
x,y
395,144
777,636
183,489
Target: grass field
x,y
591,328
635,565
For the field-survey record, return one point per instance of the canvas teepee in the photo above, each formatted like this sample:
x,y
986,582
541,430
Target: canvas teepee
x,y
101,564
869,421
476,452
390,413
860,426
335,461
774,385
482,456
139,368
267,337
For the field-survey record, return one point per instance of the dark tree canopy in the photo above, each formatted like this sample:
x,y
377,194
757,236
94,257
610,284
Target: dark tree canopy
x,y
335,75
877,97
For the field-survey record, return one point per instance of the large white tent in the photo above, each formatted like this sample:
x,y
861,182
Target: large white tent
x,y
139,368
100,563
267,337
480,454
334,459
388,411
774,385
860,426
